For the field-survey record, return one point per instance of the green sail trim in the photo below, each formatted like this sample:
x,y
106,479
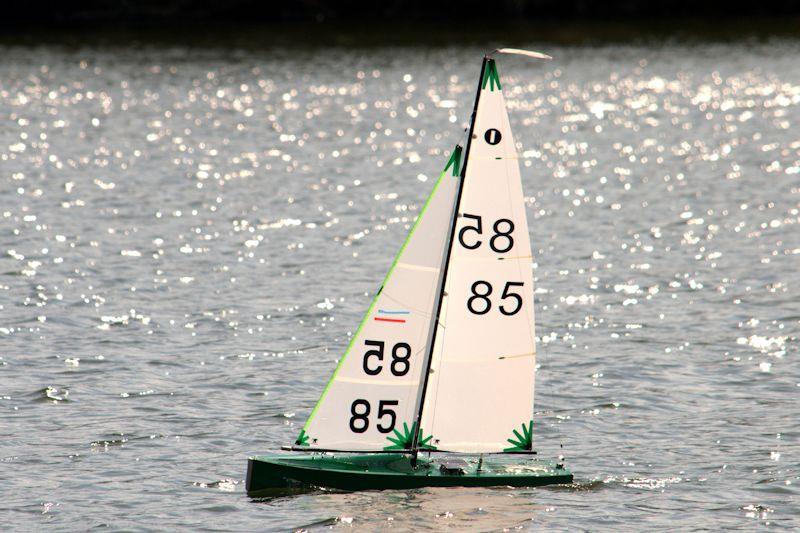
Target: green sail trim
x,y
454,161
523,442
490,76
302,438
404,440
378,293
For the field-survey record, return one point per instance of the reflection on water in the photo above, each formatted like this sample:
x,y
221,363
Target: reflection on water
x,y
430,509
188,237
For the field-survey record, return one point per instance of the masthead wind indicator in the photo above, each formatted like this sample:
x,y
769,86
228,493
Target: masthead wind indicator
x,y
517,51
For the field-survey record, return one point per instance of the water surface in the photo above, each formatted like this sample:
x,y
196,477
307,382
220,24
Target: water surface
x,y
189,236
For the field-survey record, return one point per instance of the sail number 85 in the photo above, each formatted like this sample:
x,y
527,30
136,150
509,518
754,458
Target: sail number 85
x,y
480,304
400,365
360,411
501,242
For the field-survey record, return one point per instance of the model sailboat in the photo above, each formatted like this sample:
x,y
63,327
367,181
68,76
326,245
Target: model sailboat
x,y
443,362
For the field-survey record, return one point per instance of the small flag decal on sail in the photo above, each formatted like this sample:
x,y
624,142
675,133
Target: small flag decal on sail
x,y
388,315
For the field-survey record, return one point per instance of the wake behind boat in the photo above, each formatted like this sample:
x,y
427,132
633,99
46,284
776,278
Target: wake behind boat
x,y
444,360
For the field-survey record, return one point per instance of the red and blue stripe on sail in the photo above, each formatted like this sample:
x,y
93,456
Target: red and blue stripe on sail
x,y
392,315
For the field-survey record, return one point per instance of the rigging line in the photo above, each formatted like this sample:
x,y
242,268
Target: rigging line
x,y
441,321
531,319
546,384
471,359
506,125
412,392
530,312
427,314
516,356
395,300
462,179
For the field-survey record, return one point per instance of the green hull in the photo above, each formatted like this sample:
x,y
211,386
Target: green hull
x,y
266,473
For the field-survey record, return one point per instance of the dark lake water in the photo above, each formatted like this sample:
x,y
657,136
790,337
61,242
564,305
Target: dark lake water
x,y
188,237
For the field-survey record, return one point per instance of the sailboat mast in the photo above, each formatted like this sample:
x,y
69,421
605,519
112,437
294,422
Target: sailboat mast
x,y
449,245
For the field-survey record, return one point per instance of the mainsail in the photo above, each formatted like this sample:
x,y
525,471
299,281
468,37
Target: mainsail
x,y
479,395
372,399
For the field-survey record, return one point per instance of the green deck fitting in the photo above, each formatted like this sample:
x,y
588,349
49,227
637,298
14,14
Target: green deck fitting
x,y
491,76
302,438
522,442
404,440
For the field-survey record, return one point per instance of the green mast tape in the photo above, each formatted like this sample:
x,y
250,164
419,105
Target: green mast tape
x,y
491,77
454,161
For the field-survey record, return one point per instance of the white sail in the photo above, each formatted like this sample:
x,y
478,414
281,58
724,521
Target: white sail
x,y
479,395
371,402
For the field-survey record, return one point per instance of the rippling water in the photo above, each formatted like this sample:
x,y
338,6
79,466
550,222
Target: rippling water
x,y
188,237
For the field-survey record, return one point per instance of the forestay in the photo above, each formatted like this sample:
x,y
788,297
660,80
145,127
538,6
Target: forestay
x,y
479,396
372,399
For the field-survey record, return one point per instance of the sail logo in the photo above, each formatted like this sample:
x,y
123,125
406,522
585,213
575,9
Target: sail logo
x,y
492,136
389,315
